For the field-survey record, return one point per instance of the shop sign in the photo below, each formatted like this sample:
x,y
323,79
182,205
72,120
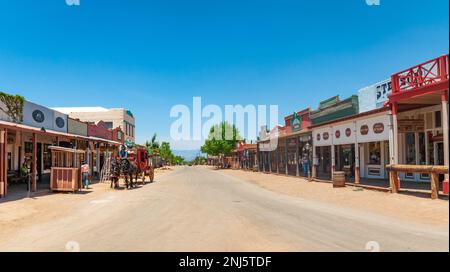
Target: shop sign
x,y
348,132
296,122
326,136
378,128
411,125
364,130
337,134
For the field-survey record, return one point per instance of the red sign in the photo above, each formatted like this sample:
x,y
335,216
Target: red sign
x,y
337,134
348,132
378,128
364,130
326,136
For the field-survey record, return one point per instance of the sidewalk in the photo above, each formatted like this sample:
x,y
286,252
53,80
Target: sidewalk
x,y
418,209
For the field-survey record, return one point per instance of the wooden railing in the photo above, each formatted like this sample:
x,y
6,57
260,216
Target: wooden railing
x,y
434,171
426,74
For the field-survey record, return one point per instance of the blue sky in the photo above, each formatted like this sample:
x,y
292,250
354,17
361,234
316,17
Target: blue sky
x,y
150,55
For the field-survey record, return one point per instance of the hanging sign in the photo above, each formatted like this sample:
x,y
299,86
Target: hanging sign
x,y
296,122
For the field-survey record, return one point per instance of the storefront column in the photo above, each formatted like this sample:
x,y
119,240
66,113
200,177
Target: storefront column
x,y
357,165
444,99
333,161
315,161
395,131
34,165
297,154
278,161
97,163
286,156
3,174
270,161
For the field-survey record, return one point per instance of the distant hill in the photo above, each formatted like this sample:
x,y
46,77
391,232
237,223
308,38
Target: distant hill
x,y
188,155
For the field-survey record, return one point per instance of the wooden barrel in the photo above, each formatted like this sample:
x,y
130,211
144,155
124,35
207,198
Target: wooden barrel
x,y
339,179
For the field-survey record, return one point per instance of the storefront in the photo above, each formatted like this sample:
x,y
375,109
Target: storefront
x,y
419,104
357,145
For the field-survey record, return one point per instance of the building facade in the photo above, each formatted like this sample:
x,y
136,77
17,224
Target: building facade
x,y
112,118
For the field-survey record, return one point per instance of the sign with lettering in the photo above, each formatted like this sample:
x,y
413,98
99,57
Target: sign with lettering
x,y
348,132
364,130
411,125
378,128
296,122
337,134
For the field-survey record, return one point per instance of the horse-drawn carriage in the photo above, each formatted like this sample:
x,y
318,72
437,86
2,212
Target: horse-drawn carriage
x,y
132,164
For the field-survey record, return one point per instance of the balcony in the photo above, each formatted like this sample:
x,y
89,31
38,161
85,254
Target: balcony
x,y
430,77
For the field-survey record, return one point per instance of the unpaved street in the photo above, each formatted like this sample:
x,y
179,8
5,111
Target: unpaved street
x,y
199,209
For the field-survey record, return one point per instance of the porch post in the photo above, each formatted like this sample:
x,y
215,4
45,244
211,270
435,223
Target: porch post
x,y
333,161
395,131
286,156
314,162
357,164
97,163
444,99
297,154
394,150
3,175
278,160
269,154
34,164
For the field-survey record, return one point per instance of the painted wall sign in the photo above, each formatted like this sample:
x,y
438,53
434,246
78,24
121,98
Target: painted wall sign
x,y
348,132
296,122
411,125
337,134
364,129
41,117
38,116
378,128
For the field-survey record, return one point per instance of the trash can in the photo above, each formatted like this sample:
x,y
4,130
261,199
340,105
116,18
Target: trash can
x,y
338,179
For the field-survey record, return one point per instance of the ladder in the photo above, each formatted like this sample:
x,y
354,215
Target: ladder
x,y
106,171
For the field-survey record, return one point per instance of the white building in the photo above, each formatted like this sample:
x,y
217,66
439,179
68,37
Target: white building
x,y
113,118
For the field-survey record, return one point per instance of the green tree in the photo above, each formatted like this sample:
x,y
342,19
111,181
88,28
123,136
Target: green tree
x,y
222,140
153,145
165,152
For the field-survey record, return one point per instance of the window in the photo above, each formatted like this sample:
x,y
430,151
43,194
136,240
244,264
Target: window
x,y
410,148
375,153
437,119
109,125
119,135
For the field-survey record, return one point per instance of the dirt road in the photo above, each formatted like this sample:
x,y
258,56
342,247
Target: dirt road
x,y
199,209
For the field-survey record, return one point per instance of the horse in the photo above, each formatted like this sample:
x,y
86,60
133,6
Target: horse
x,y
128,169
115,173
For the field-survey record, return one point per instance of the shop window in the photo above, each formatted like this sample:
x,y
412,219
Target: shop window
x,y
422,149
410,148
375,153
437,119
29,148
